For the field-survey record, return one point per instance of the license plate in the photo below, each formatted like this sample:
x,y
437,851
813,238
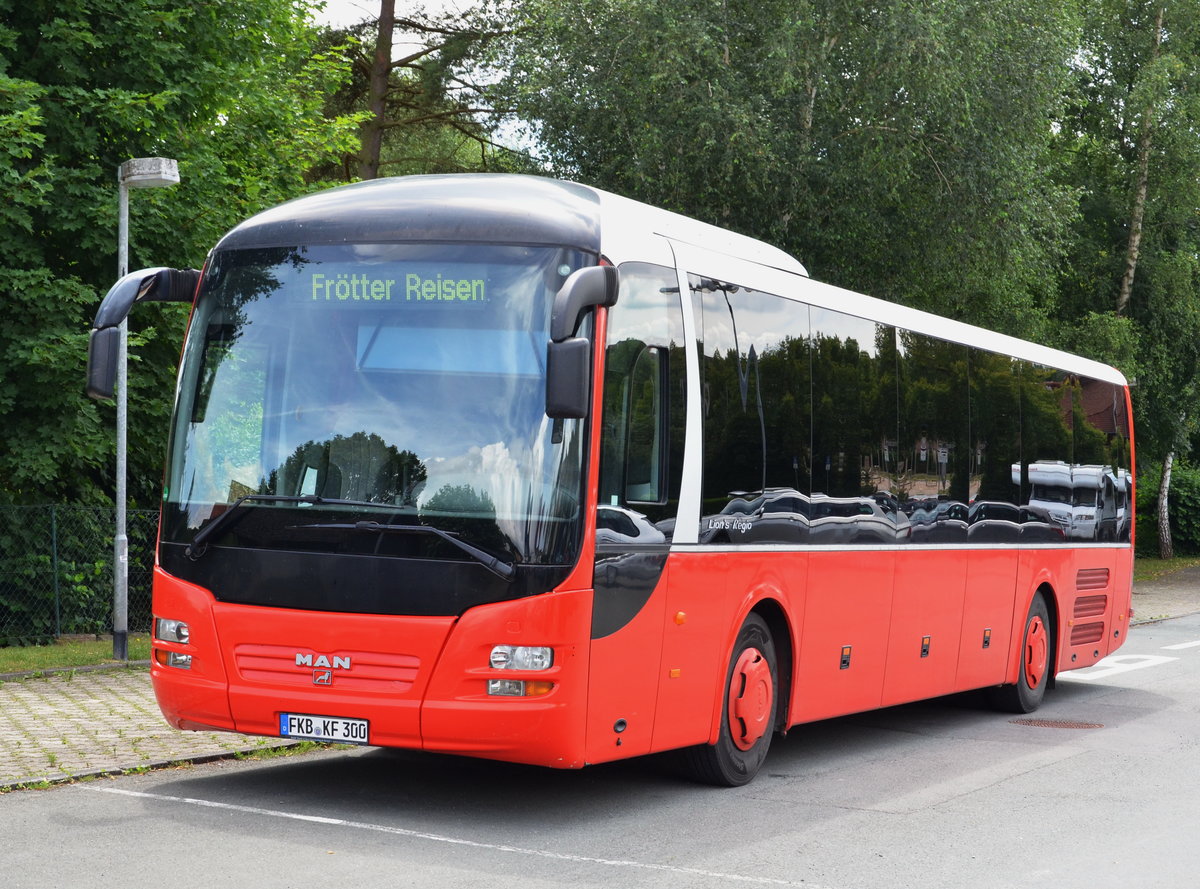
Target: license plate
x,y
338,729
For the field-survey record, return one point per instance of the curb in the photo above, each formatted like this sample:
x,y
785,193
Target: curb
x,y
157,765
87,668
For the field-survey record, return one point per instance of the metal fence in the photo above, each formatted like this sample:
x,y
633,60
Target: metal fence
x,y
56,571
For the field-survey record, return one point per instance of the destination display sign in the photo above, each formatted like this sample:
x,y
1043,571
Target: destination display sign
x,y
418,286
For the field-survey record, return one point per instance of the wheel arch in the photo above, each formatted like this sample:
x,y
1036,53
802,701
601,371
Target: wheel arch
x,y
1046,589
1051,600
771,611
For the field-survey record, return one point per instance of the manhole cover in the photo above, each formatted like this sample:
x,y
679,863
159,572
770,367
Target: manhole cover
x,y
1057,723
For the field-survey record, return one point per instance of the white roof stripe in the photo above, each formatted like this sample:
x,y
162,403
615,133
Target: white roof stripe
x,y
628,231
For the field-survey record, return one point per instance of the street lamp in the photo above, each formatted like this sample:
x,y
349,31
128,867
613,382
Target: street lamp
x,y
140,172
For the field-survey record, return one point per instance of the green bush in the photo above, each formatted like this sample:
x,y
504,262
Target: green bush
x,y
1184,500
56,571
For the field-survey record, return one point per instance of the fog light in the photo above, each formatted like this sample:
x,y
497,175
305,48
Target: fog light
x,y
519,688
173,659
521,657
514,688
171,630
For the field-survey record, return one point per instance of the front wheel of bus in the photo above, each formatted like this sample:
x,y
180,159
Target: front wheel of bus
x,y
1036,668
749,705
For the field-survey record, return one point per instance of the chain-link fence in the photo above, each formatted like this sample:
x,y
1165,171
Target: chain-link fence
x,y
56,574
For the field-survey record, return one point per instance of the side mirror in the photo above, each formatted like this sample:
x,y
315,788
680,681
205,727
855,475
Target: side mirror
x,y
568,378
147,285
568,357
104,349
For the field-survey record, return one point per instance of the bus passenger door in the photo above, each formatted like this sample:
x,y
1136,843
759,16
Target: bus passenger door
x,y
641,464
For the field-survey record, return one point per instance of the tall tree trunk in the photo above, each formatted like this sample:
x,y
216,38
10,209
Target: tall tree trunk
x,y
1145,143
1165,549
377,90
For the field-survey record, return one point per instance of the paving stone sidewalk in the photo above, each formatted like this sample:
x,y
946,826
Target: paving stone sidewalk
x,y
94,722
82,723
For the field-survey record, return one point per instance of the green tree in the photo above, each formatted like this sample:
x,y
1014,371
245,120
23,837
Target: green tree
x,y
898,149
412,80
234,91
1130,149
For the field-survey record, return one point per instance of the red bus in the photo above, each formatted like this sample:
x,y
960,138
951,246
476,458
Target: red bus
x,y
515,468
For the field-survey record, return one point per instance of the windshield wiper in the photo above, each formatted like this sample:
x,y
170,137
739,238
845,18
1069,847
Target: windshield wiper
x,y
199,546
502,569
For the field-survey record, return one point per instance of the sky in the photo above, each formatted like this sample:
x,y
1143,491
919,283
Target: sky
x,y
348,12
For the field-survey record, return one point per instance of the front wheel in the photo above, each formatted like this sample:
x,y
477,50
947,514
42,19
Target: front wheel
x,y
750,702
1036,669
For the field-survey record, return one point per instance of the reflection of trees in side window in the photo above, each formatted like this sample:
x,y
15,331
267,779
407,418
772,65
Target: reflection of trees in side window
x,y
1045,415
935,425
995,426
854,406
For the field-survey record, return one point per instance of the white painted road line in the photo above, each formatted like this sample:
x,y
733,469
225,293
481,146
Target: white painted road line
x,y
1182,645
454,841
1115,664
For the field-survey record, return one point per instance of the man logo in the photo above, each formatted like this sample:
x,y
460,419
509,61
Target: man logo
x,y
321,660
322,677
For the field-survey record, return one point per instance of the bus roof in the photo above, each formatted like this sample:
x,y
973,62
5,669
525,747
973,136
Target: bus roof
x,y
518,209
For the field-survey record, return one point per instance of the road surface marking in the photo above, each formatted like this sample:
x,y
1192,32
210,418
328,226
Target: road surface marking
x,y
1182,645
454,841
1115,664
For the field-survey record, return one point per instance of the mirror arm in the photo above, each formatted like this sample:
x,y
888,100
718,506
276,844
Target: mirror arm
x,y
147,285
595,285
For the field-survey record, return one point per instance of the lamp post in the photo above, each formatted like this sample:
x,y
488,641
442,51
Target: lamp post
x,y
140,172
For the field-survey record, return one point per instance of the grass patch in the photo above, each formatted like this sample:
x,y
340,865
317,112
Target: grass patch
x,y
1149,569
72,653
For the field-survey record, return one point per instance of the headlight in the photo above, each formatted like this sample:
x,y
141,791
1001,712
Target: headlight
x,y
171,630
521,657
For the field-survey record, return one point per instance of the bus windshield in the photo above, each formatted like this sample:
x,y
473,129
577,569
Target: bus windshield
x,y
406,381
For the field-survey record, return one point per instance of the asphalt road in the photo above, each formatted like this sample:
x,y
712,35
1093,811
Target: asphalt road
x,y
940,794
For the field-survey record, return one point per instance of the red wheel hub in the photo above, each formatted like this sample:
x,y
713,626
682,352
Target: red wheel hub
x,y
1037,652
751,693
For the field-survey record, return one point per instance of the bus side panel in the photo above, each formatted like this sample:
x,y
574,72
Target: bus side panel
x,y
1051,568
927,611
1122,596
1094,606
623,681
844,636
694,647
459,716
989,612
197,698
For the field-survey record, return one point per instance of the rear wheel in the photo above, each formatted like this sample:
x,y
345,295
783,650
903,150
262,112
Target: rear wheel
x,y
1036,668
750,702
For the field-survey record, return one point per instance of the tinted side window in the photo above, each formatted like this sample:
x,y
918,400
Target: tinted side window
x,y
641,451
940,476
856,472
995,426
755,374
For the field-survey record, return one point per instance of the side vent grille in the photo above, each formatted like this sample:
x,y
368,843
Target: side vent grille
x,y
1092,579
1087,634
1090,606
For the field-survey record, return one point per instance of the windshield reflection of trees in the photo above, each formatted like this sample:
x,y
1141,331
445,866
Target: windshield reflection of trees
x,y
363,467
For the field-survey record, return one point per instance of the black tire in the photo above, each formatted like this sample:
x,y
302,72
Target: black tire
x,y
750,702
1037,664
